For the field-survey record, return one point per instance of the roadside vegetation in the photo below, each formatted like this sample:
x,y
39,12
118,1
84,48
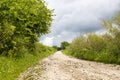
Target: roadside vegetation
x,y
99,47
10,68
64,44
22,23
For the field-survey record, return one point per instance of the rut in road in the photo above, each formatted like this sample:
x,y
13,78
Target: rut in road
x,y
61,67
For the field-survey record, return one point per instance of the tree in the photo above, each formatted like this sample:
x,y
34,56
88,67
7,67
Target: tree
x,y
105,47
95,42
22,22
113,26
55,47
64,44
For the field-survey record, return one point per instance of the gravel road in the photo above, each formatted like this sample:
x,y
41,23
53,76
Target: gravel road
x,y
61,67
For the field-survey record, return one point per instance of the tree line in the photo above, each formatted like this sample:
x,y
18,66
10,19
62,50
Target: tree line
x,y
96,47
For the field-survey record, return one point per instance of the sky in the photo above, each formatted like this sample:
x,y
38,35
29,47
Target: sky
x,y
78,17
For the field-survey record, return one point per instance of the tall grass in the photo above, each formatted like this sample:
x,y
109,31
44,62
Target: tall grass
x,y
98,57
10,68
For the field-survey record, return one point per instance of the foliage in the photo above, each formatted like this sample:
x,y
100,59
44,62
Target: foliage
x,y
104,48
10,68
64,44
22,22
113,26
55,47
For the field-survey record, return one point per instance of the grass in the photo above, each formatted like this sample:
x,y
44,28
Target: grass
x,y
10,68
103,57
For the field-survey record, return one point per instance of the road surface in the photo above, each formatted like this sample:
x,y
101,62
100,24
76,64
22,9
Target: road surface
x,y
61,67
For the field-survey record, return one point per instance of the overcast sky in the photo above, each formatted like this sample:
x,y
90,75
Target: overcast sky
x,y
75,17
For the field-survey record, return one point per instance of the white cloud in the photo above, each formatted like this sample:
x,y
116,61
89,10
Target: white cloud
x,y
48,41
74,17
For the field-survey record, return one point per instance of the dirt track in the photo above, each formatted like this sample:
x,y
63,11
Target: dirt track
x,y
62,67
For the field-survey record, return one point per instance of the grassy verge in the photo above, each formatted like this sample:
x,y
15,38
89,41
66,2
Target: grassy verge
x,y
98,57
10,68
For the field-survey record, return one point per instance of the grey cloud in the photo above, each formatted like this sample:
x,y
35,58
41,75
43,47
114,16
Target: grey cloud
x,y
74,17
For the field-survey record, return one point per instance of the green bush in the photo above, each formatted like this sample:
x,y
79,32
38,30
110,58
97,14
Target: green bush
x,y
103,48
22,24
106,58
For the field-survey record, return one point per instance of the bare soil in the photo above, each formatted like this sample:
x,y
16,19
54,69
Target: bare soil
x,y
61,67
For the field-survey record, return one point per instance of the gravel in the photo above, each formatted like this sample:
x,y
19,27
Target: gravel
x,y
61,67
